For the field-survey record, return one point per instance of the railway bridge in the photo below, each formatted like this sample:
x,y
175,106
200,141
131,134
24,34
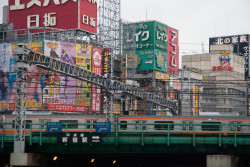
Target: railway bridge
x,y
40,141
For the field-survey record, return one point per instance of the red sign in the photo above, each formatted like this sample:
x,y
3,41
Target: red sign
x,y
64,107
222,68
96,90
60,14
173,51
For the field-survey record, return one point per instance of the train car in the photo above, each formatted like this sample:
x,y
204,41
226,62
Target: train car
x,y
180,124
70,123
159,124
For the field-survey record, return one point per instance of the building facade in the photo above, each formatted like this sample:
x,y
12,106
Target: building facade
x,y
222,86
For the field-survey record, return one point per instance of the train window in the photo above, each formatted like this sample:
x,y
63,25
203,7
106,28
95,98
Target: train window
x,y
27,122
190,127
123,125
184,125
163,125
89,123
43,122
210,126
71,124
139,124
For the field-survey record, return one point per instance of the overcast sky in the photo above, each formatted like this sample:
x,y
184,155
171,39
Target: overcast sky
x,y
196,20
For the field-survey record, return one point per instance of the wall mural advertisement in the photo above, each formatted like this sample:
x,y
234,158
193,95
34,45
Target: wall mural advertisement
x,y
47,90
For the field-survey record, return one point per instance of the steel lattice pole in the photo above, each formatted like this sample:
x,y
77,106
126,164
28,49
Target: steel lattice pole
x,y
21,69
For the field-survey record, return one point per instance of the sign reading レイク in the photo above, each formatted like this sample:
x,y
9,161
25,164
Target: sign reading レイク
x,y
62,14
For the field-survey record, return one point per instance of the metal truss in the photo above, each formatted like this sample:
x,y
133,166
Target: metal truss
x,y
112,86
109,24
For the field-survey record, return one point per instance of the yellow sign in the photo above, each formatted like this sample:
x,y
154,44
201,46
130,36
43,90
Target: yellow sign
x,y
116,108
161,76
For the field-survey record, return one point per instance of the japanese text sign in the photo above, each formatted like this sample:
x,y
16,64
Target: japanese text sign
x,y
61,14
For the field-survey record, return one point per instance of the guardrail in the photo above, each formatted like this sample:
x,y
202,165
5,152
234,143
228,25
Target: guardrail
x,y
222,133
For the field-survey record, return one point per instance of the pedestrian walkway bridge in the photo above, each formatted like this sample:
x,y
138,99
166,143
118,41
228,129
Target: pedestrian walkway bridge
x,y
126,141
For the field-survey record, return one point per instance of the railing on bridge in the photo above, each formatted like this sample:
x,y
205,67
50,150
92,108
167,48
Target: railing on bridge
x,y
137,133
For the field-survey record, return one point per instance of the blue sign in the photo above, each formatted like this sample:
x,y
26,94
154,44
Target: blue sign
x,y
103,126
149,110
54,127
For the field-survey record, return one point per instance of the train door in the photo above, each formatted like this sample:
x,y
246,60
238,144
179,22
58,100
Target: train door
x,y
187,126
140,125
235,125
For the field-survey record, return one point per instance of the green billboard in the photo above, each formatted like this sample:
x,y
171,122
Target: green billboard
x,y
149,42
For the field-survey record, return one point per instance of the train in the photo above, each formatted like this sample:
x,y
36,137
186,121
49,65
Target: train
x,y
130,123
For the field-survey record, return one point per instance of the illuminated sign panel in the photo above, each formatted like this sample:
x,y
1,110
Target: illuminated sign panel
x,y
61,14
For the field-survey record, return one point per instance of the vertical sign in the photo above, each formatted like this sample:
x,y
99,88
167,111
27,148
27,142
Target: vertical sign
x,y
124,68
96,90
51,90
173,51
83,89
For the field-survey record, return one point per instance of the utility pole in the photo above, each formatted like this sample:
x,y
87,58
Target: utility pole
x,y
20,107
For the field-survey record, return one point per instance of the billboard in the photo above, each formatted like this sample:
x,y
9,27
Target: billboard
x,y
195,100
5,57
34,84
241,45
48,90
60,14
83,89
173,51
155,44
96,90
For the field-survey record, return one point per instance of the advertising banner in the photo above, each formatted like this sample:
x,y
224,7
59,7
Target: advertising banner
x,y
96,90
161,76
67,94
161,60
34,80
52,80
83,89
60,14
5,56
